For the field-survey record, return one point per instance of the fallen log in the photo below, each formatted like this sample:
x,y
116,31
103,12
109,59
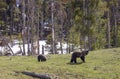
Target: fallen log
x,y
41,76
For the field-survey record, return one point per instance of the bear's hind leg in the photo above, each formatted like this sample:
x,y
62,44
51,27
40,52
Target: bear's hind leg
x,y
71,60
75,60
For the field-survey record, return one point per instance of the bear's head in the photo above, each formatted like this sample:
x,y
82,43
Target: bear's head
x,y
85,52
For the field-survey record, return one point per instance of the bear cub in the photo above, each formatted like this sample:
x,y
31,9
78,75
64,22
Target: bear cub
x,y
41,58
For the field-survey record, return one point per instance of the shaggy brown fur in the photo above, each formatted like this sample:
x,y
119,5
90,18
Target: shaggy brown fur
x,y
76,55
41,58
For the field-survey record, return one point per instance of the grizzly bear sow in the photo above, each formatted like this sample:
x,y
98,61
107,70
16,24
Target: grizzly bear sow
x,y
41,58
75,55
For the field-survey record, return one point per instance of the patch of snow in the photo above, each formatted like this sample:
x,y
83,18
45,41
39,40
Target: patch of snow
x,y
16,47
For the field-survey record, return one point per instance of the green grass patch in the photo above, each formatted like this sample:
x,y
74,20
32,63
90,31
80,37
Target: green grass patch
x,y
100,64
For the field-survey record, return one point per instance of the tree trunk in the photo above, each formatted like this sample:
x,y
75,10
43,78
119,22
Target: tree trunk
x,y
10,49
108,31
115,30
61,47
32,26
23,29
38,29
53,28
61,36
41,76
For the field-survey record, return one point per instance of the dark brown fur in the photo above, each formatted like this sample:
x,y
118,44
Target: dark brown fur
x,y
76,55
41,58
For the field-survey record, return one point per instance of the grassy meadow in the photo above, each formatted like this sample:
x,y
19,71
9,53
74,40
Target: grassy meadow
x,y
100,64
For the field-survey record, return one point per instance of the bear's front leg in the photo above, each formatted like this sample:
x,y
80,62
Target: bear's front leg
x,y
39,59
83,58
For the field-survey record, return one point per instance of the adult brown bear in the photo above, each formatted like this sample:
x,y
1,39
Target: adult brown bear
x,y
76,55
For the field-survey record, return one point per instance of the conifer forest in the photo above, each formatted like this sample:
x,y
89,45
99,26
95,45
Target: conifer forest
x,y
59,39
88,24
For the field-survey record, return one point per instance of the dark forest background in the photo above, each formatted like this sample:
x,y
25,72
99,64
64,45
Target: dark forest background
x,y
91,24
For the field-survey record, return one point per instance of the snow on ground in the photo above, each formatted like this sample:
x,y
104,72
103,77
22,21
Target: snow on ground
x,y
64,47
16,47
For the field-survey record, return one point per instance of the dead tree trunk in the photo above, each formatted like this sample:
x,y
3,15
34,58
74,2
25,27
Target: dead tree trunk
x,y
10,49
32,74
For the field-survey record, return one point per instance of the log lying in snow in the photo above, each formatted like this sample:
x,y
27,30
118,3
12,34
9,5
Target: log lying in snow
x,y
41,76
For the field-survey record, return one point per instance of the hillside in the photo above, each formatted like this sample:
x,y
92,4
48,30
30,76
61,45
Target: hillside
x,y
100,64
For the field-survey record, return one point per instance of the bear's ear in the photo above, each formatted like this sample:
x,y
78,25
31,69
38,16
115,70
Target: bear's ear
x,y
87,52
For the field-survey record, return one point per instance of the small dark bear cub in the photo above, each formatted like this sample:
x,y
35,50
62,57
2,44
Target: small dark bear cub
x,y
41,58
75,55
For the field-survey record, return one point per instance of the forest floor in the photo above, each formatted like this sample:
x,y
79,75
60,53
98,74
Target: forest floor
x,y
100,64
